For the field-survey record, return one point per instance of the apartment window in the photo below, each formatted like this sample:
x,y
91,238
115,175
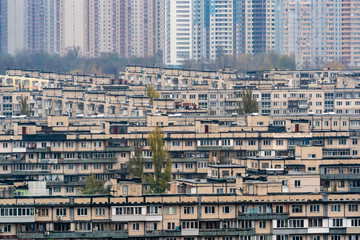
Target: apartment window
x,y
188,165
353,207
84,144
56,144
70,189
82,211
170,210
43,212
57,189
239,142
251,142
188,143
209,210
171,225
330,142
189,210
97,166
337,222
136,226
342,141
5,145
279,142
279,209
69,167
335,207
262,224
355,222
266,142
314,208
7,228
61,212
5,168
85,167
227,209
176,143
100,211
315,222
341,184
69,144
296,208
56,167
297,183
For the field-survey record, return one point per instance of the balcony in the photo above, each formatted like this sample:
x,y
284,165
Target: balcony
x,y
38,150
73,235
119,149
214,148
340,176
137,218
226,232
263,216
30,172
90,160
17,219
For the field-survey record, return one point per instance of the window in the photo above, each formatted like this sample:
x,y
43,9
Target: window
x,y
262,224
342,141
279,142
209,210
296,208
353,207
315,222
43,212
279,209
136,226
171,225
170,210
341,184
227,209
57,189
297,183
335,207
7,228
100,211
189,210
61,212
251,142
314,208
337,222
82,211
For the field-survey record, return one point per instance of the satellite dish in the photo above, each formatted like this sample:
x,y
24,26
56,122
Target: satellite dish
x,y
107,186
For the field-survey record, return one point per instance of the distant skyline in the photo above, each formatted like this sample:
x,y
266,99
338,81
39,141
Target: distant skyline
x,y
315,32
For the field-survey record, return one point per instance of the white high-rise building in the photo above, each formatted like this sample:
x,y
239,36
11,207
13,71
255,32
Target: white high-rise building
x,y
178,32
72,33
13,26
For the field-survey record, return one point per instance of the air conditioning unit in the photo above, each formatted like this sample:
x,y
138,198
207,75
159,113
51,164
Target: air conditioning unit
x,y
47,233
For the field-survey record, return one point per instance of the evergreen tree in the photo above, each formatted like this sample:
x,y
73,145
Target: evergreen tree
x,y
249,103
137,161
93,186
158,181
24,107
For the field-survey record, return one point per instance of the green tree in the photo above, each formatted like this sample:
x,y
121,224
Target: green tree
x,y
152,93
93,186
158,181
24,107
249,103
137,161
